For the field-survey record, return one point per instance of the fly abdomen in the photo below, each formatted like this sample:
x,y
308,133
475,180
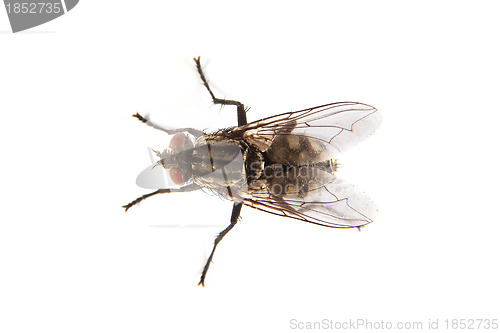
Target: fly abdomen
x,y
297,181
296,150
329,166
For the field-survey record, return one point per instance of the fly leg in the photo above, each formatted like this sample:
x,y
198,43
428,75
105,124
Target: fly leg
x,y
168,131
234,218
189,188
242,116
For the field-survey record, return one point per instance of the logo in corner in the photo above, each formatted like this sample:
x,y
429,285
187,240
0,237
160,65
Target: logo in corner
x,y
26,14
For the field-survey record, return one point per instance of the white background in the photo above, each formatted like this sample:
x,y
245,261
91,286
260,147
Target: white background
x,y
72,261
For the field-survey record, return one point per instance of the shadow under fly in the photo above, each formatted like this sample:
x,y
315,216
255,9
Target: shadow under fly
x,y
284,165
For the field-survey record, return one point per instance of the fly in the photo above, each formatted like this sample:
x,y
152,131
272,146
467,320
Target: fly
x,y
284,165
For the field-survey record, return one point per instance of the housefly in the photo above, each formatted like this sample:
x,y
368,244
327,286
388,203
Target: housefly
x,y
284,165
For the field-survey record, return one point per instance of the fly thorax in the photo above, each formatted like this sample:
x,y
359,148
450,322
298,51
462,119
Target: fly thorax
x,y
213,156
219,166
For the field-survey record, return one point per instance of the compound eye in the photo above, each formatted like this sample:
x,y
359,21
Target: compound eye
x,y
177,141
176,176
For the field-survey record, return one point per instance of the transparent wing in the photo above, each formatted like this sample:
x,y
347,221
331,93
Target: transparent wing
x,y
329,202
324,130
